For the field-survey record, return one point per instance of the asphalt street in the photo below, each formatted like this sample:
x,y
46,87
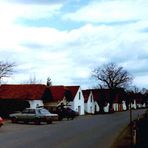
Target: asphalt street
x,y
91,131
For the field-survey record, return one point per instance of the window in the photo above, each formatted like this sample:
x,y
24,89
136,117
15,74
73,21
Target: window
x,y
91,99
32,111
79,95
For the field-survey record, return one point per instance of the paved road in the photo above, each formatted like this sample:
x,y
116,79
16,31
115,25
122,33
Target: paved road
x,y
97,131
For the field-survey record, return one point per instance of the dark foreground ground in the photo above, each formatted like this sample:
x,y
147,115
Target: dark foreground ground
x,y
137,138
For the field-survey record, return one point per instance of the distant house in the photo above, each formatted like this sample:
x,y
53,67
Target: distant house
x,y
106,94
134,105
77,101
18,97
135,100
101,97
89,101
139,100
119,104
95,94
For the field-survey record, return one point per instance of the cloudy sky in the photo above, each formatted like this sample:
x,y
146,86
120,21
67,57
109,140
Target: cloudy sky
x,y
66,39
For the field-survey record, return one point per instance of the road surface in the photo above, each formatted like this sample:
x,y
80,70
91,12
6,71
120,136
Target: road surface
x,y
91,131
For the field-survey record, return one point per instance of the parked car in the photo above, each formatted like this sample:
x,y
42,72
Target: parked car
x,y
1,121
37,116
64,112
67,113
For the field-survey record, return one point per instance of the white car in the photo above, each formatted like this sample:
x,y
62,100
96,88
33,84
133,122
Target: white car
x,y
36,115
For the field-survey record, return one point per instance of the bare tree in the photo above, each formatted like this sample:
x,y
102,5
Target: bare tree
x,y
112,76
49,82
6,69
135,89
32,80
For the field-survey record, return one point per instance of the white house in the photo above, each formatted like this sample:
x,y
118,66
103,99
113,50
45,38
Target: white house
x,y
95,94
89,102
77,100
137,101
119,104
133,104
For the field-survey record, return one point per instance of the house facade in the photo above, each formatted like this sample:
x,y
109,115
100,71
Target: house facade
x,y
119,103
18,97
89,102
77,101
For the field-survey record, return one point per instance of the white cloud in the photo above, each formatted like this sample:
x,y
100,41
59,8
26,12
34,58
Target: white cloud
x,y
10,12
111,11
66,56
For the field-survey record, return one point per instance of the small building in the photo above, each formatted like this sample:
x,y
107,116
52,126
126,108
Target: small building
x,y
95,94
77,101
18,97
119,104
89,102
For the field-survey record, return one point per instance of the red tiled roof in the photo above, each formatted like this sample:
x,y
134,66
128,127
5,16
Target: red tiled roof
x,y
73,90
138,97
57,92
116,100
98,92
95,93
86,94
22,92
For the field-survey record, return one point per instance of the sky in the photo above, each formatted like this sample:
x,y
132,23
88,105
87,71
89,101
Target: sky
x,y
66,39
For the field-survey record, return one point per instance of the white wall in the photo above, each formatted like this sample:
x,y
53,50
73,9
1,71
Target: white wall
x,y
90,105
78,103
124,105
106,108
133,105
115,107
97,108
35,103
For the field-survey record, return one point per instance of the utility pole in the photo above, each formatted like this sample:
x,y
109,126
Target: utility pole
x,y
131,123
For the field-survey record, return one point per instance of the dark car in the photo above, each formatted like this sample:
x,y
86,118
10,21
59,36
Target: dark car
x,y
36,115
65,112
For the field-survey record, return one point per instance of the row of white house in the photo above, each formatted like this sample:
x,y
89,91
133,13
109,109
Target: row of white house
x,y
81,101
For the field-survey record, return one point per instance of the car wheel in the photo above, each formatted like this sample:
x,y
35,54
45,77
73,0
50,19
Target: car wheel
x,y
25,122
60,118
13,120
49,122
37,122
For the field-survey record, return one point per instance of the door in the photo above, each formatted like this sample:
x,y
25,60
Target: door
x,y
79,110
91,111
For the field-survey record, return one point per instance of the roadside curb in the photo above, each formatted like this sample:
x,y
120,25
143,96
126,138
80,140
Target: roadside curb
x,y
122,139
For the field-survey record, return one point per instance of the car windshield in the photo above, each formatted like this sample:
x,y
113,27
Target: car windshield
x,y
43,111
25,111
